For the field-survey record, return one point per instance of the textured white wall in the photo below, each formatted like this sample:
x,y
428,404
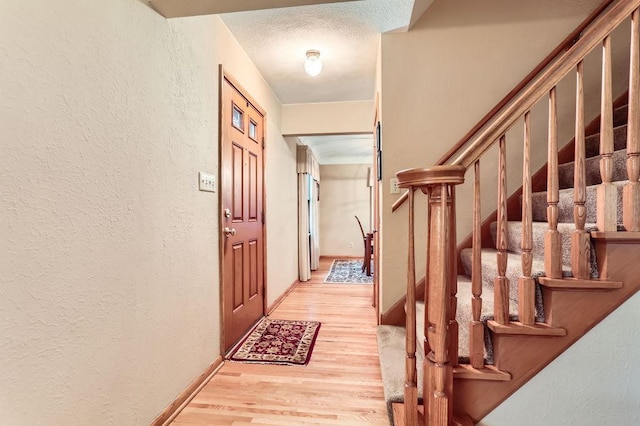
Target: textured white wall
x,y
282,214
562,394
343,194
109,295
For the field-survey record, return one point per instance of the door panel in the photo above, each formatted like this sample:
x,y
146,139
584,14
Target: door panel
x,y
253,269
237,174
241,187
237,273
253,187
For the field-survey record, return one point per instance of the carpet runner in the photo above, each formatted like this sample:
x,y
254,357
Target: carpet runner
x,y
345,271
281,342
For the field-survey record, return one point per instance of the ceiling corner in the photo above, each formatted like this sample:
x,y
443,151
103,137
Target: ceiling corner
x,y
419,9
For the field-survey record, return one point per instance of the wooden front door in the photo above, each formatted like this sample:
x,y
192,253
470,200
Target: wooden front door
x,y
241,186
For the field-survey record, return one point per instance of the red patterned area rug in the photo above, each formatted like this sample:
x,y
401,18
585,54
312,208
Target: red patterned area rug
x,y
281,342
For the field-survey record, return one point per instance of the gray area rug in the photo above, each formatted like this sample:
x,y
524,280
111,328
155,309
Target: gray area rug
x,y
347,271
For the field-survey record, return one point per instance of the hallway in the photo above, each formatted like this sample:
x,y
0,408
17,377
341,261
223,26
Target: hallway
x,y
341,385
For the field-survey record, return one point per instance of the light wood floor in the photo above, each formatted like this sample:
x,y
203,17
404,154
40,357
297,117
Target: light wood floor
x,y
341,385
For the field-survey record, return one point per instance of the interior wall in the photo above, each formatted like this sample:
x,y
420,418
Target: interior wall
x,y
109,301
282,214
327,118
471,54
562,394
343,194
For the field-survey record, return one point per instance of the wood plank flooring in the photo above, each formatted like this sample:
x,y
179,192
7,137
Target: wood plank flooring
x,y
341,385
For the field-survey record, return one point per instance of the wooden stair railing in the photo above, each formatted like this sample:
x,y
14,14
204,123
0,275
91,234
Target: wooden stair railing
x,y
562,47
411,382
594,35
526,283
501,282
631,192
476,328
580,239
607,194
553,239
438,183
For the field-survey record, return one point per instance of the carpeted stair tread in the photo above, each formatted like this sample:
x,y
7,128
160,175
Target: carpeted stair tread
x,y
391,339
592,170
592,143
565,204
570,283
391,349
620,115
514,237
514,268
463,314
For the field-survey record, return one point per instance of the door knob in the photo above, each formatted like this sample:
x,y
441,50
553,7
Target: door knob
x,y
229,231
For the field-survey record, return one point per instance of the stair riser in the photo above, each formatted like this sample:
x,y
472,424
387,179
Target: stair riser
x,y
565,205
514,236
490,271
620,116
592,170
592,143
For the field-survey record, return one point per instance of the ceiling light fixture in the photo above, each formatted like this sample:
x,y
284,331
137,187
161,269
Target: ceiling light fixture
x,y
312,64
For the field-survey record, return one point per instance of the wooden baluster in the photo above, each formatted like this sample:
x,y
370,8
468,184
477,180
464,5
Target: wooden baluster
x,y
631,191
580,249
526,283
410,385
439,373
476,328
427,347
553,239
454,327
501,282
607,198
426,382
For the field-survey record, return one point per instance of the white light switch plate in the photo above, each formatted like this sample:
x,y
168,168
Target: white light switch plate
x,y
207,182
395,189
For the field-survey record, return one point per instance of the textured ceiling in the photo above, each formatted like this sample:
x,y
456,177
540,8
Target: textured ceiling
x,y
346,34
181,8
341,149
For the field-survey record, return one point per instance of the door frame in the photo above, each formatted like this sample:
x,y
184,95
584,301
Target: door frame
x,y
222,76
375,226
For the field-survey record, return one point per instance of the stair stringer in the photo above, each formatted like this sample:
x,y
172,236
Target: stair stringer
x,y
576,311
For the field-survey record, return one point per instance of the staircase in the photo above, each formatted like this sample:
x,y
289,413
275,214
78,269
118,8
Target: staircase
x,y
545,280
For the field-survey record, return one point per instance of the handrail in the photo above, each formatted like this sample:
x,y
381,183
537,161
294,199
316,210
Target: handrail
x,y
565,44
400,201
602,26
438,183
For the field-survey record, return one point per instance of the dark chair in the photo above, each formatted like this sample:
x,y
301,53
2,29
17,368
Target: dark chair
x,y
367,240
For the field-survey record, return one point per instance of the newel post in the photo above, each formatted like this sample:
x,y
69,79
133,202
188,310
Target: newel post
x,y
438,183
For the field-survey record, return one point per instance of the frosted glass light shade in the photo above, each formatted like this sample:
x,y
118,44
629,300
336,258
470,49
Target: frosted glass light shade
x,y
313,65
